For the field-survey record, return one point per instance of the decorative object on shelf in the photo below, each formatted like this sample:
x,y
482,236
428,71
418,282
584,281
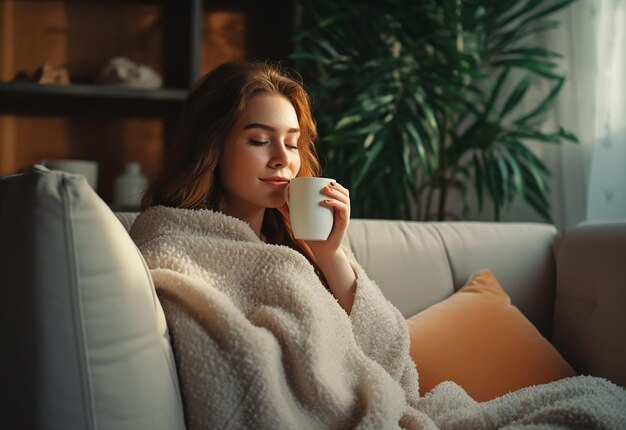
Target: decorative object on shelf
x,y
129,188
87,168
124,72
417,99
46,74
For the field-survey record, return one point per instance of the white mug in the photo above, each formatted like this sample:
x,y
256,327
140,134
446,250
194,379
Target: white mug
x,y
89,169
309,219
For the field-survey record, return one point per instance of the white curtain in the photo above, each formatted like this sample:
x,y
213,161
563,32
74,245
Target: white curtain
x,y
588,180
607,182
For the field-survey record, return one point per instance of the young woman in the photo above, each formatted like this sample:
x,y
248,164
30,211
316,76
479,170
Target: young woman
x,y
268,331
247,130
274,333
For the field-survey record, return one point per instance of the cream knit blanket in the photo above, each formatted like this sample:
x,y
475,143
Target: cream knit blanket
x,y
260,343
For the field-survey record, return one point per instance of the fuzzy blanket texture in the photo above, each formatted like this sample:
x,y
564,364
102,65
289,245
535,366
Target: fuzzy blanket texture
x,y
260,343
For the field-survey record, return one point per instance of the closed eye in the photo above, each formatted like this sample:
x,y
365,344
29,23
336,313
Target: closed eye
x,y
258,142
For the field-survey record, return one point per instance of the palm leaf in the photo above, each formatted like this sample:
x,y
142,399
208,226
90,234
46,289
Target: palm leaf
x,y
516,14
478,180
533,52
516,96
370,156
548,11
543,105
496,91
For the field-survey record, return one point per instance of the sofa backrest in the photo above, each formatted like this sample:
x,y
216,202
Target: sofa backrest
x,y
417,264
83,337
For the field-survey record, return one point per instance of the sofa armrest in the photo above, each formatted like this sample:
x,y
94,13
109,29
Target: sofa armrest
x,y
589,326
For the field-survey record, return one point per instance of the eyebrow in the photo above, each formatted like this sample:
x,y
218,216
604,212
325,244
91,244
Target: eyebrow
x,y
268,128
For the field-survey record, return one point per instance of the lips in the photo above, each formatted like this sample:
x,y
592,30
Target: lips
x,y
275,180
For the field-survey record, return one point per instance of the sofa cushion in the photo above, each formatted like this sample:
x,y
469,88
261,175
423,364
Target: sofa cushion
x,y
84,341
477,339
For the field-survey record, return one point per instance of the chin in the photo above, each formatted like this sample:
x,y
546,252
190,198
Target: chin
x,y
275,203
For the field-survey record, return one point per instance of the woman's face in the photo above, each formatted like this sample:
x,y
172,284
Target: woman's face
x,y
260,156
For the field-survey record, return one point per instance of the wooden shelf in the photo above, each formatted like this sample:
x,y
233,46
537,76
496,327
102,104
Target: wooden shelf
x,y
113,125
28,98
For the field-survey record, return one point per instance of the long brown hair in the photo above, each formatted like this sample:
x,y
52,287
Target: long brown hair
x,y
188,177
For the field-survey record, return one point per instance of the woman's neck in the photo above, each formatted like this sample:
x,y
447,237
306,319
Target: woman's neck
x,y
254,218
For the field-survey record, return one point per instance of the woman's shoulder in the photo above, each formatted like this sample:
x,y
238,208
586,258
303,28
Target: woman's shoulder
x,y
162,221
157,221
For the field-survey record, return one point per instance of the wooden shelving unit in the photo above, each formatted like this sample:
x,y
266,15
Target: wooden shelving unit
x,y
113,125
181,51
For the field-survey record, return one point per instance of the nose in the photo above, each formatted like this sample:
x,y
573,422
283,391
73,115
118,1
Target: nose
x,y
279,157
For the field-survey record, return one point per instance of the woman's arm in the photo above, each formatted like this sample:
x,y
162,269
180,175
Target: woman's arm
x,y
379,328
331,259
341,278
381,331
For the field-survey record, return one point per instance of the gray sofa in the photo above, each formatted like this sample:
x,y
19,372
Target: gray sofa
x,y
84,339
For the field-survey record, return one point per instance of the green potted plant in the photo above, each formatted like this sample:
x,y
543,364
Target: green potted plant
x,y
417,98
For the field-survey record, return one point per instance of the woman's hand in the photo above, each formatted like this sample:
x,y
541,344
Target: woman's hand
x,y
339,202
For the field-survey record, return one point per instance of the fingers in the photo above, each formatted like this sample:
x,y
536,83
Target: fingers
x,y
339,200
337,191
341,210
